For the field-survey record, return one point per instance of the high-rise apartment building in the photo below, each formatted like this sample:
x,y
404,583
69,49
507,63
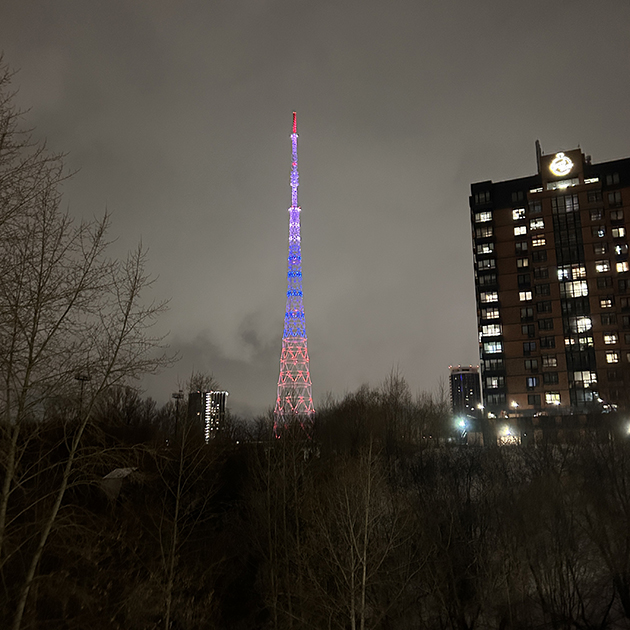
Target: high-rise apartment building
x,y
465,390
552,278
208,409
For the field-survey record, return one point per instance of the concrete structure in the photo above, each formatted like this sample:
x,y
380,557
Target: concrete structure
x,y
465,390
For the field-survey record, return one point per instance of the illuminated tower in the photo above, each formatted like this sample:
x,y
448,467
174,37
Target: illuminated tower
x,y
295,398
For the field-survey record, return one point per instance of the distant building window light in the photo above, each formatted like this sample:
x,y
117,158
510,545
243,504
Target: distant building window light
x,y
576,288
519,230
622,267
600,248
601,266
580,324
552,398
537,224
621,249
494,382
518,214
487,263
525,296
550,360
522,262
490,313
531,382
571,272
612,357
606,302
489,296
492,330
539,242
493,347
585,377
598,231
484,232
486,248
536,190
591,180
562,184
610,338
483,217
618,232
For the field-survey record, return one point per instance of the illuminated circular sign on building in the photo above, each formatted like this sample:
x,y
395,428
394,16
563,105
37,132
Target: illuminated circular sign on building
x,y
561,165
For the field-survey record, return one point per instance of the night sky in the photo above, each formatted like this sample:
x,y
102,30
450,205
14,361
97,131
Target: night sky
x,y
178,116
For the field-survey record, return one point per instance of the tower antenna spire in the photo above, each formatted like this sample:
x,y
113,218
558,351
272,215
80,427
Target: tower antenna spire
x,y
295,399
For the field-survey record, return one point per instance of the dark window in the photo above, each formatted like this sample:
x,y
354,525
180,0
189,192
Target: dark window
x,y
492,365
529,347
597,214
533,399
550,378
482,197
487,278
600,248
544,306
625,321
623,286
535,207
541,289
495,399
484,231
616,215
531,365
527,314
624,302
524,280
608,319
612,178
614,199
539,255
626,338
594,195
564,203
614,375
541,273
604,282
545,324
521,247
529,330
548,342
518,196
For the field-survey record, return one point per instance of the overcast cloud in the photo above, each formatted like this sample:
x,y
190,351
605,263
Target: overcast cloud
x,y
178,115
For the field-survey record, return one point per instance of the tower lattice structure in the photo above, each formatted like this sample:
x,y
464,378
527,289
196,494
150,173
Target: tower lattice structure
x,y
295,397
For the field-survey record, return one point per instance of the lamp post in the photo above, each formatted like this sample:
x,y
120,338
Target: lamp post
x,y
83,378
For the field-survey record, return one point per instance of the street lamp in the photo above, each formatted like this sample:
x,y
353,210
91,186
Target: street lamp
x,y
177,396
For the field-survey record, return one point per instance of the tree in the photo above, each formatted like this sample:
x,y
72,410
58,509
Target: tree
x,y
71,319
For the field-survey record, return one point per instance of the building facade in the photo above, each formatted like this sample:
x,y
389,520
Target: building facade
x,y
465,390
552,281
208,409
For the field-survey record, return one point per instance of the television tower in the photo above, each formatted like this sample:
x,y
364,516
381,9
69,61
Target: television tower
x,y
295,397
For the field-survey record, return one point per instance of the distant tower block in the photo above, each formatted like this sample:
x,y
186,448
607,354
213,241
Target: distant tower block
x,y
465,390
295,398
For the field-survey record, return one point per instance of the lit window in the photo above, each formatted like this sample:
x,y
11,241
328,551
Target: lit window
x,y
493,382
486,248
602,266
492,330
618,232
522,262
610,338
585,342
612,357
520,229
616,215
622,267
536,224
483,217
577,288
489,313
484,232
585,377
600,248
493,347
525,296
488,263
580,324
550,360
621,249
518,214
538,242
552,398
489,296
563,184
531,382
606,302
571,272
599,231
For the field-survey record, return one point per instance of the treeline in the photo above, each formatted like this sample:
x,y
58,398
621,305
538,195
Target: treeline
x,y
354,525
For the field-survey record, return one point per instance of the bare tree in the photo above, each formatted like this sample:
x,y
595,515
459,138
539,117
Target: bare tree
x,y
70,318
